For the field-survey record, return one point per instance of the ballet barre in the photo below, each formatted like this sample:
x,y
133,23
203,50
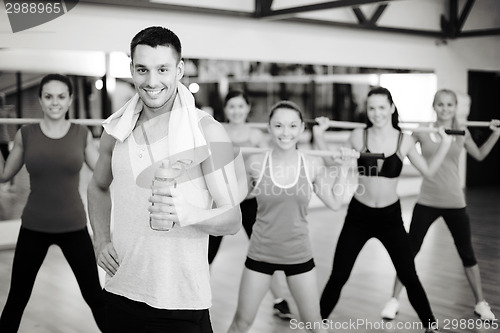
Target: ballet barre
x,y
24,121
320,153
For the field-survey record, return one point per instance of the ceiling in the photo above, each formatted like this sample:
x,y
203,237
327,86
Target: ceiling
x,y
437,19
443,19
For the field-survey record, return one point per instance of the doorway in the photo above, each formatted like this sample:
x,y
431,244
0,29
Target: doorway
x,y
484,90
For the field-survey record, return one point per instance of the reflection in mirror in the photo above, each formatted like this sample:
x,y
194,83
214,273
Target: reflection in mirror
x,y
320,90
336,92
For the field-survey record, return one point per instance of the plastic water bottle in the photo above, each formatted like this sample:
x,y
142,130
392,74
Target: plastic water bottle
x,y
164,177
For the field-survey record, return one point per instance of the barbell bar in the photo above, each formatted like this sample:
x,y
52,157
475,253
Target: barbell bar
x,y
23,121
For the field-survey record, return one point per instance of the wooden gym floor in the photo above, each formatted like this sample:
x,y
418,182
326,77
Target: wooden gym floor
x,y
56,305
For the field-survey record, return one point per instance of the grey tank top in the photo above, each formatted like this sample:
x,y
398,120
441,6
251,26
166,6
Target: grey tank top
x,y
443,189
280,234
54,204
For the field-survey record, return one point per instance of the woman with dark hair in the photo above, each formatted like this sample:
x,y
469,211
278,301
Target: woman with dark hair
x,y
54,151
283,181
375,210
442,196
236,109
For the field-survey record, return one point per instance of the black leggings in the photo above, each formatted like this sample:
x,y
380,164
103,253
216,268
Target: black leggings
x,y
288,269
4,149
248,216
128,316
458,223
361,224
31,249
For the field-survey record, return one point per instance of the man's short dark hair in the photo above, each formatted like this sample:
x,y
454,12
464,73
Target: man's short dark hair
x,y
156,36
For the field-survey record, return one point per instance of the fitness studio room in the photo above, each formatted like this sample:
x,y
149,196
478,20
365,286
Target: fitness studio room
x,y
438,59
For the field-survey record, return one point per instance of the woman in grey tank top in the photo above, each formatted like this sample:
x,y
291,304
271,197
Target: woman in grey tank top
x,y
442,196
53,153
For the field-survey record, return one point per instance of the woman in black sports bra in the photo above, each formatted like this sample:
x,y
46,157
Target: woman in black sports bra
x,y
375,210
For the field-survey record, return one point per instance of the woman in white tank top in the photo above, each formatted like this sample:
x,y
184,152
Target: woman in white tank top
x,y
282,181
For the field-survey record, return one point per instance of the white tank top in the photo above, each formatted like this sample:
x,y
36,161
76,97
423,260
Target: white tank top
x,y
280,234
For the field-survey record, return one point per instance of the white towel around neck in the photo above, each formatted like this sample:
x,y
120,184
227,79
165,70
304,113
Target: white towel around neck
x,y
187,143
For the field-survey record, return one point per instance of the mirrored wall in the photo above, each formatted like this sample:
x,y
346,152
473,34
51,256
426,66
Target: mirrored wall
x,y
336,92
